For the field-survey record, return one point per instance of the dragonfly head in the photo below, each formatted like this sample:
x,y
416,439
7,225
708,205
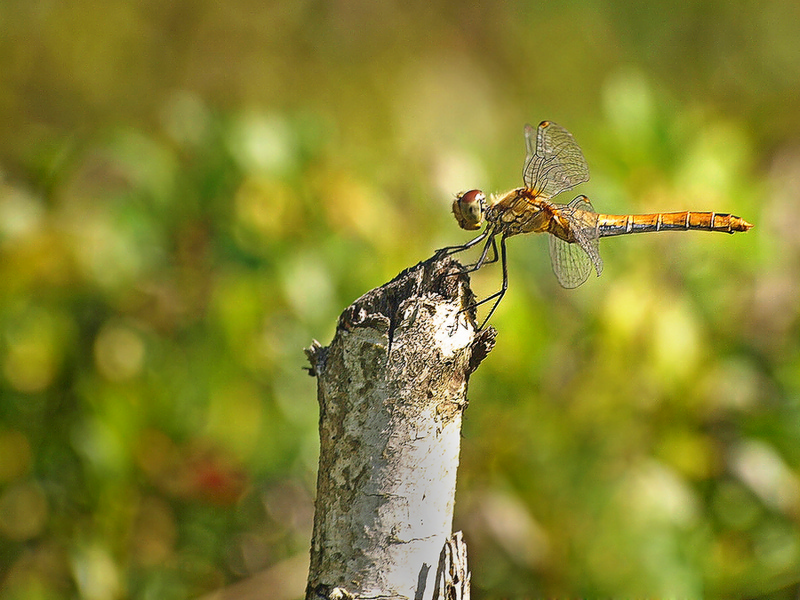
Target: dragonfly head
x,y
469,208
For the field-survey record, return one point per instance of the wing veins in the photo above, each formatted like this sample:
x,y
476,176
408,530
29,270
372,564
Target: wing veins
x,y
557,163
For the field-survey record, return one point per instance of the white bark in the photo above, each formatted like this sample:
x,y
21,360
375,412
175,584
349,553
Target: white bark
x,y
392,390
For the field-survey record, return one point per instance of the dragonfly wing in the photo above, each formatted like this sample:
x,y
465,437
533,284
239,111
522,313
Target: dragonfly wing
x,y
572,262
554,162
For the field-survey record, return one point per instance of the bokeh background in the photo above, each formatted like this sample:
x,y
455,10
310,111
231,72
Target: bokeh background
x,y
192,191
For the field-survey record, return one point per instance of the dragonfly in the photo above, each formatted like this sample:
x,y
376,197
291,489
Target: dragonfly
x,y
555,164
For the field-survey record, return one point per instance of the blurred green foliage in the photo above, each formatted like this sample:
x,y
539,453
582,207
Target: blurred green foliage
x,y
191,192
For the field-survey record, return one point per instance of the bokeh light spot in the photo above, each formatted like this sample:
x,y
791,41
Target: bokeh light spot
x,y
23,511
15,455
118,352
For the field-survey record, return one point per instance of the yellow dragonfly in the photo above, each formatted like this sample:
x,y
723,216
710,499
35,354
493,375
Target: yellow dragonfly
x,y
554,164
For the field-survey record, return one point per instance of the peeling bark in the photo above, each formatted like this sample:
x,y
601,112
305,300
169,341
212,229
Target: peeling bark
x,y
392,390
453,576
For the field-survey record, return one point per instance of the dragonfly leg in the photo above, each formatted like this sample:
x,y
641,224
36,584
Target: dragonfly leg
x,y
483,260
498,295
450,250
490,244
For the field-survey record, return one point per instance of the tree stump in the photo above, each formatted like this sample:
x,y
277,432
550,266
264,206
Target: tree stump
x,y
392,391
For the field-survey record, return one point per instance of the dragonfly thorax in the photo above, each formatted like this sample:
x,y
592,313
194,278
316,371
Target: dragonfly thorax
x,y
469,209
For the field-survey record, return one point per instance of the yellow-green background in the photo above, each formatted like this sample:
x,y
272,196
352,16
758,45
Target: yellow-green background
x,y
192,191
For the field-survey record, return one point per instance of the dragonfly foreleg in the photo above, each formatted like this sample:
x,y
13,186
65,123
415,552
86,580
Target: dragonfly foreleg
x,y
450,250
490,244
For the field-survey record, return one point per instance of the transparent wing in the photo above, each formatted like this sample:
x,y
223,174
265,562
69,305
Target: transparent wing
x,y
554,162
572,261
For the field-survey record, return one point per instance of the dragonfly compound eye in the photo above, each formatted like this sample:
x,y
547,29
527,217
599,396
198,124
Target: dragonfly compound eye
x,y
468,209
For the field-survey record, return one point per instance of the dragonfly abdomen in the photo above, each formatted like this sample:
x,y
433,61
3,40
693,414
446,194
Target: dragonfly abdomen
x,y
608,225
